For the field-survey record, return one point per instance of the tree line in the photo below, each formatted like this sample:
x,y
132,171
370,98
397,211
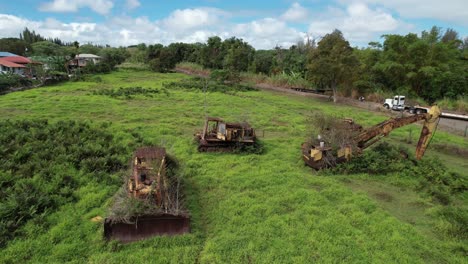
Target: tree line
x,y
431,65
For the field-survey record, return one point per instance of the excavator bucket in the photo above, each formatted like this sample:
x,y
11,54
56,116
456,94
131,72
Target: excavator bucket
x,y
146,226
428,129
150,185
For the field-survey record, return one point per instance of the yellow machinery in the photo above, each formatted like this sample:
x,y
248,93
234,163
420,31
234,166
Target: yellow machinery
x,y
218,135
319,156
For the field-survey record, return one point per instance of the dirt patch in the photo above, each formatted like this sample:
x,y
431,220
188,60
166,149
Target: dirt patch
x,y
383,196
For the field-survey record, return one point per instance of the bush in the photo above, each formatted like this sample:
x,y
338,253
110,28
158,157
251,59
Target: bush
x,y
201,84
43,164
127,93
385,159
12,80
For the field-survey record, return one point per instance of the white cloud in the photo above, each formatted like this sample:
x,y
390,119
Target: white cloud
x,y
296,13
99,6
449,10
359,23
268,33
132,4
187,19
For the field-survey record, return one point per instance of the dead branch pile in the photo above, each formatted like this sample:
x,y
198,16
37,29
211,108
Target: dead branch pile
x,y
125,207
334,132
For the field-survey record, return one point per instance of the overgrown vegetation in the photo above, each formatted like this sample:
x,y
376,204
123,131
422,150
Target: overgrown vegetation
x,y
127,92
267,208
428,176
12,80
44,163
125,208
202,84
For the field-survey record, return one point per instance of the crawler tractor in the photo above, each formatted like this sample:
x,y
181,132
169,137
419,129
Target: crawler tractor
x,y
150,183
319,154
218,135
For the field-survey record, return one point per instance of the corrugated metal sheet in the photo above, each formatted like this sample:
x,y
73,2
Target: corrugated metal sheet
x,y
10,64
17,59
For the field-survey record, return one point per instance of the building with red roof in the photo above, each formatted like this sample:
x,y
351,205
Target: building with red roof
x,y
18,59
8,66
17,64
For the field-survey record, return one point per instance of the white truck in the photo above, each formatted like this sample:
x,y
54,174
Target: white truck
x,y
397,103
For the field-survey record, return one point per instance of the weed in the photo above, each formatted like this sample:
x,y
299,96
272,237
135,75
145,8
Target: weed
x,y
127,92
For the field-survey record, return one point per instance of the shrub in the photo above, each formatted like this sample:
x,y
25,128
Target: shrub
x,y
385,159
43,164
12,80
201,84
128,92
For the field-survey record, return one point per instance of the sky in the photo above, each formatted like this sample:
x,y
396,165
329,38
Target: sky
x,y
264,24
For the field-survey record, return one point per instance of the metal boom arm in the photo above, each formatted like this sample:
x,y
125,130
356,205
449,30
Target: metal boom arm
x,y
377,132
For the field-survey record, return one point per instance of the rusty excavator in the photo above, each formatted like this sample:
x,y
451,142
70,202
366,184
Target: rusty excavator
x,y
318,155
149,183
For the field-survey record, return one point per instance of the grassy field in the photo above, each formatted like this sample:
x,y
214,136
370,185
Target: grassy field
x,y
245,208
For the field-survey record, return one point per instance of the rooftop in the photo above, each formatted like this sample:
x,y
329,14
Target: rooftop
x,y
87,56
6,54
17,59
10,64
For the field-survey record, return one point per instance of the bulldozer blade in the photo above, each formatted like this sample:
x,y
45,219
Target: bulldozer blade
x,y
146,226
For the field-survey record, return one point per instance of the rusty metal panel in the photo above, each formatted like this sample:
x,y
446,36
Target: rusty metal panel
x,y
146,226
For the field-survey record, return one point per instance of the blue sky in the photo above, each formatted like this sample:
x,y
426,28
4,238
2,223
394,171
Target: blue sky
x,y
264,24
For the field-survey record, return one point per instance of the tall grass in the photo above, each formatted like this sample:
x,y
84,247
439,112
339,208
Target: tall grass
x,y
459,105
245,207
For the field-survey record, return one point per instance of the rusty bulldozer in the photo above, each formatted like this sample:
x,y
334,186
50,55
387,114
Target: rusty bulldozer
x,y
318,154
221,136
155,193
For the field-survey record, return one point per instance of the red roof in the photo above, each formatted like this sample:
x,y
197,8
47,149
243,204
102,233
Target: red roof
x,y
10,64
17,59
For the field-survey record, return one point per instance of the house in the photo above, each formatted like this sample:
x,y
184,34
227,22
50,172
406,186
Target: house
x,y
7,66
81,60
18,65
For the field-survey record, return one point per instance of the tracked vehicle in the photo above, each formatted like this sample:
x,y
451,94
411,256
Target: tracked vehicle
x,y
221,136
149,184
318,154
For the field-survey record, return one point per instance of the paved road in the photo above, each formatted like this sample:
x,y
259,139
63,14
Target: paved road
x,y
458,126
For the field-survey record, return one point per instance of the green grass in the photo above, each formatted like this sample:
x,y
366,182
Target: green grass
x,y
245,208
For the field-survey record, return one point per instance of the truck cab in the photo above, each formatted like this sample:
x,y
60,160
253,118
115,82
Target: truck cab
x,y
396,103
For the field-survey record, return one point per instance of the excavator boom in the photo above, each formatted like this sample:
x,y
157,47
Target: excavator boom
x,y
432,119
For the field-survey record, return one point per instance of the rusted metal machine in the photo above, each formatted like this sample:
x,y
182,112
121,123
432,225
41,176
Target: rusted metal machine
x,y
150,185
218,135
318,155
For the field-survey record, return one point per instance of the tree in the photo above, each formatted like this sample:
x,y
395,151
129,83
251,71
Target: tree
x,y
332,62
162,59
45,48
239,54
89,49
450,35
14,45
212,54
263,61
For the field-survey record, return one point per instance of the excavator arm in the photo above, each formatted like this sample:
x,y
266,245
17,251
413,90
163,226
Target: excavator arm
x,y
432,119
373,134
